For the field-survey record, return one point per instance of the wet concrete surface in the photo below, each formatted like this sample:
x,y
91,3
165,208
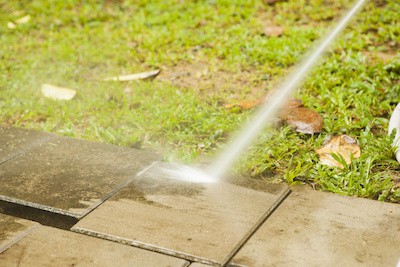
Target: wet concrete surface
x,y
204,223
313,228
14,141
69,176
46,246
139,217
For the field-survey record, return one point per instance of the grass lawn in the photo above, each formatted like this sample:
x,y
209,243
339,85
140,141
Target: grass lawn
x,y
210,53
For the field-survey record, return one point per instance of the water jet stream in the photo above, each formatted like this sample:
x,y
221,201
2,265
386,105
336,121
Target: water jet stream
x,y
267,111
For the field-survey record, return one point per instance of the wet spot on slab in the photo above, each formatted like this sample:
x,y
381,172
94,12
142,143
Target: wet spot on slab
x,y
154,183
271,185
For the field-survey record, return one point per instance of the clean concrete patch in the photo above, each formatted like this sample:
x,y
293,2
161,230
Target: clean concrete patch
x,y
199,222
312,228
69,176
12,229
47,246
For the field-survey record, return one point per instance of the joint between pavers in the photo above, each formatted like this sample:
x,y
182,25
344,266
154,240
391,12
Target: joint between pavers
x,y
39,206
25,149
145,246
257,225
116,190
39,215
18,237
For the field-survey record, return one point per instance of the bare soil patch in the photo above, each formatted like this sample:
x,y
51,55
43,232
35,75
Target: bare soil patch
x,y
209,80
376,56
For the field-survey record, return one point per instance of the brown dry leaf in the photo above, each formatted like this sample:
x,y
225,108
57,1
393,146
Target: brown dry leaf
x,y
292,103
137,76
58,93
272,2
273,31
343,145
305,120
245,104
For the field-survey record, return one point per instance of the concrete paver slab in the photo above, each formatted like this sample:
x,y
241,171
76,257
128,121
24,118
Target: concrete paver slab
x,y
46,246
312,228
197,264
14,141
12,229
199,222
69,176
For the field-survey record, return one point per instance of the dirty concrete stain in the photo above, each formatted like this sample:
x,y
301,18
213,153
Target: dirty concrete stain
x,y
142,188
9,225
69,174
14,141
270,184
153,184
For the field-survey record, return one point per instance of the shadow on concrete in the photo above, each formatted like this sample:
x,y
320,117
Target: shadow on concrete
x,y
41,216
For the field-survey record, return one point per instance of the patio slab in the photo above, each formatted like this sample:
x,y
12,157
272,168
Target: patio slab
x,y
312,228
197,264
46,246
205,223
14,141
69,176
13,229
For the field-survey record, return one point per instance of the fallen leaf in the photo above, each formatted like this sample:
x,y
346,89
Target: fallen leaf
x,y
58,93
273,31
137,76
284,111
271,2
305,120
294,103
11,25
343,145
246,104
23,20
